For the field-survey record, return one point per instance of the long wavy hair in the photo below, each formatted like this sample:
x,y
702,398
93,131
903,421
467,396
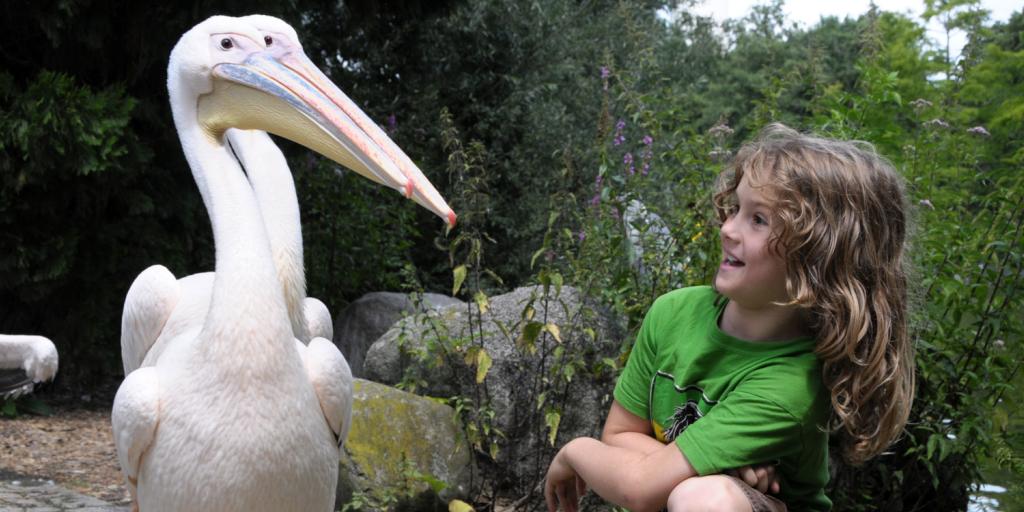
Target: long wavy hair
x,y
841,224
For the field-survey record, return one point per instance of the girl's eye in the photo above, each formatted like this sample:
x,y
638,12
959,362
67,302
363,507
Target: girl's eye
x,y
226,43
760,220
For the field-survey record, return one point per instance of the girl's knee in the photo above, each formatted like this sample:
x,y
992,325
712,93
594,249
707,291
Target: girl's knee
x,y
715,493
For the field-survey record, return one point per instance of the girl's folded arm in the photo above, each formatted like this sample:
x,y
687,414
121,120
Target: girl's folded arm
x,y
627,477
627,430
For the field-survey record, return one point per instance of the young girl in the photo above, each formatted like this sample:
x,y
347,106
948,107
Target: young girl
x,y
804,329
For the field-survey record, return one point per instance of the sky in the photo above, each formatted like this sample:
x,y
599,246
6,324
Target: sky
x,y
808,12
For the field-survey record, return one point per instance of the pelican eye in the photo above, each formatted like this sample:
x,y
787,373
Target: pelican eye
x,y
269,40
226,43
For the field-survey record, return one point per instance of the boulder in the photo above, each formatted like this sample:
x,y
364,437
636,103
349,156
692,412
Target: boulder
x,y
403,446
650,245
370,316
518,373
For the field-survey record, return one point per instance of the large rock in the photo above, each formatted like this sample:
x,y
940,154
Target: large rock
x,y
402,445
650,245
370,316
518,375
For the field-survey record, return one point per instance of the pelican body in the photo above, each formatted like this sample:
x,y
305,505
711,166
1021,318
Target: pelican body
x,y
234,412
25,361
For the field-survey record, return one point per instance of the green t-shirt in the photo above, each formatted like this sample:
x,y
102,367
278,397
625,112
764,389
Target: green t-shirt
x,y
726,402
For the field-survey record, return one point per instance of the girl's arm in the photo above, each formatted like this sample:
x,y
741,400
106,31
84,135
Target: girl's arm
x,y
628,467
627,430
625,477
614,467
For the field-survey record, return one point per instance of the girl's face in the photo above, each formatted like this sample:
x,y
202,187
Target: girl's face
x,y
750,274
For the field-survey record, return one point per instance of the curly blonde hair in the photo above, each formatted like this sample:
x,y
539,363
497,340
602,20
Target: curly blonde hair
x,y
841,226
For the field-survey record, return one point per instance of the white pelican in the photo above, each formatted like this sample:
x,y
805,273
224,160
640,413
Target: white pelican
x,y
24,362
158,308
230,416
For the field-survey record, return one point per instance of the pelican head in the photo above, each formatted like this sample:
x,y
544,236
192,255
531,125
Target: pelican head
x,y
251,73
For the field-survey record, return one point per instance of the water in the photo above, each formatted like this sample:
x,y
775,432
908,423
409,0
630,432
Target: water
x,y
987,499
999,492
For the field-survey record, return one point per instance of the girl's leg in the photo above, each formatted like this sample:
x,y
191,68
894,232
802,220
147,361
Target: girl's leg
x,y
720,493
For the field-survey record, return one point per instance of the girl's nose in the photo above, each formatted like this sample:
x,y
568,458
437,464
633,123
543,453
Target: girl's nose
x,y
728,231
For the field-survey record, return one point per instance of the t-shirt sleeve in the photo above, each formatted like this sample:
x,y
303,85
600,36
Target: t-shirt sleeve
x,y
743,429
632,391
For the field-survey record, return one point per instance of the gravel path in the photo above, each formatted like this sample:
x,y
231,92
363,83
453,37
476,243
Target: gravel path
x,y
61,462
35,495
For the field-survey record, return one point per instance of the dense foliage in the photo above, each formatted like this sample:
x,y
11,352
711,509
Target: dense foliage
x,y
577,118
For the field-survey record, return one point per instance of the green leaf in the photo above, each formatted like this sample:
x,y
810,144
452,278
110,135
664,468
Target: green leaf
x,y
536,255
552,418
459,275
33,405
556,279
483,364
554,331
528,338
552,218
9,409
481,301
435,484
501,326
459,506
470,357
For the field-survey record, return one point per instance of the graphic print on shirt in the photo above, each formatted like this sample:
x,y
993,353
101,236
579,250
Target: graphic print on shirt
x,y
674,408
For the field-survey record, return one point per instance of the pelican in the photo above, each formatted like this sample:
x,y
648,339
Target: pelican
x,y
24,362
229,415
158,308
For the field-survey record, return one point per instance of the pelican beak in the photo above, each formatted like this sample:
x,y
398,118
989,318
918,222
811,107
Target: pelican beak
x,y
419,189
285,94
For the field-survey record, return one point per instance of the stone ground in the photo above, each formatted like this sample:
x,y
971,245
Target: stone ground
x,y
35,495
64,461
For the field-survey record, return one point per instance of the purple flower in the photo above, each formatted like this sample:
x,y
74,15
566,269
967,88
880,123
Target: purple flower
x,y
582,235
648,154
392,123
920,104
605,72
597,181
619,138
979,130
627,158
719,155
936,123
720,130
596,200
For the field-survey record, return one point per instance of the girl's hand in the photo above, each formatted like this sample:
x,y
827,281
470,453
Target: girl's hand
x,y
761,477
562,486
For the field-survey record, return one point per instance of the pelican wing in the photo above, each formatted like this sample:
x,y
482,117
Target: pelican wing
x,y
332,380
135,415
14,383
149,303
318,319
36,355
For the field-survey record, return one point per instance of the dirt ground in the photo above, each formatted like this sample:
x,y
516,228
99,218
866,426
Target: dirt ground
x,y
74,447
